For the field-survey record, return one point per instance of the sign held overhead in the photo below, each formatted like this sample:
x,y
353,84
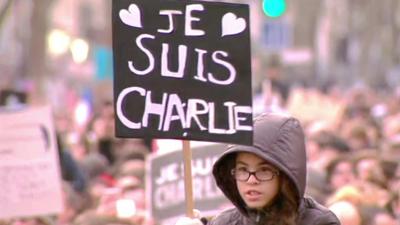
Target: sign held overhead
x,y
182,70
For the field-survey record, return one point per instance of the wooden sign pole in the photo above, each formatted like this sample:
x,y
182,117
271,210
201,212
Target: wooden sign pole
x,y
187,163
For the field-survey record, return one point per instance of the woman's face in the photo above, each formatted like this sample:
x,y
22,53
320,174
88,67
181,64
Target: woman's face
x,y
342,175
255,193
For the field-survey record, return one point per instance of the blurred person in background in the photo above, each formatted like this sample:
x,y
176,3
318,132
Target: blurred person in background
x,y
370,178
359,99
384,218
394,204
340,172
373,215
347,193
347,213
391,169
325,148
102,131
391,128
368,168
74,204
360,135
124,202
275,90
70,169
328,146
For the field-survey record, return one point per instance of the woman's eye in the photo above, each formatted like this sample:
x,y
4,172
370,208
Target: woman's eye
x,y
265,169
241,169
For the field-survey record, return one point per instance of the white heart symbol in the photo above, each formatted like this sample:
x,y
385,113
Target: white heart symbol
x,y
232,25
131,17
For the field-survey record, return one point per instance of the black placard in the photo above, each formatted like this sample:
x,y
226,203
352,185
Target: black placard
x,y
182,70
165,183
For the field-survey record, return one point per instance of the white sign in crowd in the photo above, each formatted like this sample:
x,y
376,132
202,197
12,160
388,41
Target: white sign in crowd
x,y
29,167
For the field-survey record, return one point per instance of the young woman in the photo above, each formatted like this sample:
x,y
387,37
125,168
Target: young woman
x,y
266,181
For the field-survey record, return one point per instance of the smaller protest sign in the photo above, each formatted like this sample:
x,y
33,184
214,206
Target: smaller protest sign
x,y
29,166
165,183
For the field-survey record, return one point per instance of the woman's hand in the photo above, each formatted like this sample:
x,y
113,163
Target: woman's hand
x,y
190,221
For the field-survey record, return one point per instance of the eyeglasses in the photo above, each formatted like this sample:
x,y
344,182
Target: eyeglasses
x,y
263,174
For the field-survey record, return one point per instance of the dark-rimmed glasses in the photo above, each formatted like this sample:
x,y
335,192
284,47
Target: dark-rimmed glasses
x,y
263,174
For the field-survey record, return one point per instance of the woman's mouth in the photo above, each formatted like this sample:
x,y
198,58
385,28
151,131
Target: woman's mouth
x,y
253,195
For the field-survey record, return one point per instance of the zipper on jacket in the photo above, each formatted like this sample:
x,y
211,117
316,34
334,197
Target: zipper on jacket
x,y
258,217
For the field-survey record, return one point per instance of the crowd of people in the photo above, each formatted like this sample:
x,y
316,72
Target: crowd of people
x,y
353,164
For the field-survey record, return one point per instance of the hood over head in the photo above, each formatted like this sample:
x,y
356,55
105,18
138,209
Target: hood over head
x,y
279,139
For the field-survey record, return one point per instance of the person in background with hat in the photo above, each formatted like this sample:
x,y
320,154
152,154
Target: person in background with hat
x,y
266,181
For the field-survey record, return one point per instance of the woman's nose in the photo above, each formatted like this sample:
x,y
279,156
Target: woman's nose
x,y
252,179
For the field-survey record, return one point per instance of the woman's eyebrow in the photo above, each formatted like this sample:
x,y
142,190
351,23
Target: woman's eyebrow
x,y
241,162
266,164
259,164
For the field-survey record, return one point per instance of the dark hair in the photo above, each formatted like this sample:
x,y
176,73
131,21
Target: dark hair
x,y
286,203
330,169
327,139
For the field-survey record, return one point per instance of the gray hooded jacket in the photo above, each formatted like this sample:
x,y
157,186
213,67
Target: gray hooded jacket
x,y
280,141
